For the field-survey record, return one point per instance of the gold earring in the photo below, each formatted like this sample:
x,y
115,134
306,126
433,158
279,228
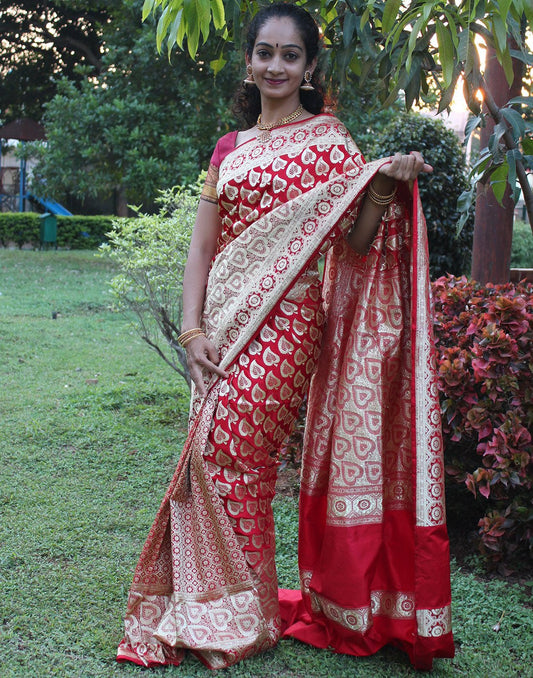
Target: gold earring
x,y
307,86
249,79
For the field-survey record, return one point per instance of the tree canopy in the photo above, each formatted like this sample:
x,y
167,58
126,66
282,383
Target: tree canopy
x,y
141,124
415,46
42,41
144,123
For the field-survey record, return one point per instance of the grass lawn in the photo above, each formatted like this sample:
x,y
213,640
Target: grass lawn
x,y
92,424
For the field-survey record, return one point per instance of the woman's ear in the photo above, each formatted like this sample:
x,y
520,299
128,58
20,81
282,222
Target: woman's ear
x,y
311,67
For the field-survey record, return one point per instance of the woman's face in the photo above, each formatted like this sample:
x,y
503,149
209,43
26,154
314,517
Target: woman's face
x,y
279,60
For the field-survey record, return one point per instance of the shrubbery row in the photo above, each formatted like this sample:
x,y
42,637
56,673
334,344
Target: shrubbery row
x,y
76,232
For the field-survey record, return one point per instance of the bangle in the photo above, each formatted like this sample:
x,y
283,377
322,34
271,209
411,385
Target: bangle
x,y
186,337
380,200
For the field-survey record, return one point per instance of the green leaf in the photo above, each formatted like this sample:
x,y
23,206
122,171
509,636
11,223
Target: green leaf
x,y
147,8
512,156
504,7
507,64
217,64
498,181
193,40
499,31
204,17
181,31
446,52
412,42
452,27
494,141
525,101
389,14
173,33
355,65
348,28
472,124
412,90
464,206
168,15
219,17
464,42
516,121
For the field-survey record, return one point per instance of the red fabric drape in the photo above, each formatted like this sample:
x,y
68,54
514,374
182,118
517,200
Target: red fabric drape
x,y
373,547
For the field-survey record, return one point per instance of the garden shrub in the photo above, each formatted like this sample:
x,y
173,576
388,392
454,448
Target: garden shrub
x,y
485,364
82,232
522,250
150,252
439,191
20,228
74,232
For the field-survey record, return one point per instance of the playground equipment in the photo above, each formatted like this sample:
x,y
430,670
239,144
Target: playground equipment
x,y
25,130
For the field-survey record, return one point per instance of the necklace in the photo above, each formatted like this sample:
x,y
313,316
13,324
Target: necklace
x,y
266,128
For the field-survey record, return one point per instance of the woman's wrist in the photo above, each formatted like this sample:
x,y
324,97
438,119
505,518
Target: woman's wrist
x,y
186,337
190,324
383,184
381,193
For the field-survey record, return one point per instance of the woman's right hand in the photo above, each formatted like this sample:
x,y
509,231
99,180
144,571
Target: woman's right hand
x,y
202,357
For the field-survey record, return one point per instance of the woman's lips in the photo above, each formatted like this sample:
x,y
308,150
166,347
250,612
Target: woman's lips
x,y
271,81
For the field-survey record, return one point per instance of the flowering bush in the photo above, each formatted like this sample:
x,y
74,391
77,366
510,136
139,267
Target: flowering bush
x,y
485,364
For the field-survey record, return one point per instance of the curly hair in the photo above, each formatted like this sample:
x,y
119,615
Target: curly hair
x,y
247,104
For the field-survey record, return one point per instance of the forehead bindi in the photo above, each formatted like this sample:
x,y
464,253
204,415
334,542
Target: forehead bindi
x,y
280,33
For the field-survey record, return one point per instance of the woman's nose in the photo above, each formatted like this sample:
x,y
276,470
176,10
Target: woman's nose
x,y
275,65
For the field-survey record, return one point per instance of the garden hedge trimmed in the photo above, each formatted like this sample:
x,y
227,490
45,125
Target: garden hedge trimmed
x,y
76,232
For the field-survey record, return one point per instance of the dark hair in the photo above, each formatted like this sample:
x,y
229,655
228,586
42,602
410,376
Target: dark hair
x,y
247,104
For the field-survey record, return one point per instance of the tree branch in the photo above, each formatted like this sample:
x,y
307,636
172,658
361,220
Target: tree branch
x,y
521,173
172,364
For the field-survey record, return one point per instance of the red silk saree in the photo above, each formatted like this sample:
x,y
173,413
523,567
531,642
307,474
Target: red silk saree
x,y
206,579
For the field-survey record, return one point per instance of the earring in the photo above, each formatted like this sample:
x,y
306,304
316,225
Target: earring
x,y
307,86
249,79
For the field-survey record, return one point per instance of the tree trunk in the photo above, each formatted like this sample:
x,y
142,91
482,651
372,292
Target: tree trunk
x,y
493,226
121,202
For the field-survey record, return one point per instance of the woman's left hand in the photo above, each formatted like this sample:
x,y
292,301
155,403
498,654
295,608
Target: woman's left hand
x,y
405,167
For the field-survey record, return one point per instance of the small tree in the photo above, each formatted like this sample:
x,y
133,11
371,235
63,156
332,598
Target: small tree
x,y
150,252
449,251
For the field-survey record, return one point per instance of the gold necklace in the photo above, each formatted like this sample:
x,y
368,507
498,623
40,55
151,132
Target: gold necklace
x,y
266,128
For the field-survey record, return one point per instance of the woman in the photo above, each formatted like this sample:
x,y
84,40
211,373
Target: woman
x,y
277,196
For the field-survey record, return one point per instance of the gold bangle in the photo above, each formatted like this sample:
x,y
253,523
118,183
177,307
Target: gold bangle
x,y
378,199
190,334
187,341
185,334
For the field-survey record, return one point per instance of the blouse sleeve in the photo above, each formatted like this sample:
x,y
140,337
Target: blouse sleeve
x,y
224,146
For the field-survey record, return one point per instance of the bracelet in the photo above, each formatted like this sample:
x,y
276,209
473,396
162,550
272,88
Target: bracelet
x,y
186,337
380,200
186,342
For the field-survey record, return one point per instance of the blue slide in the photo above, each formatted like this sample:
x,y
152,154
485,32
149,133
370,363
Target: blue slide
x,y
50,205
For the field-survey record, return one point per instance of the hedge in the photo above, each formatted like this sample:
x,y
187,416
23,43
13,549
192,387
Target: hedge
x,y
76,232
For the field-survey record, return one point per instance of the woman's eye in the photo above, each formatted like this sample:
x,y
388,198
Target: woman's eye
x,y
263,54
291,56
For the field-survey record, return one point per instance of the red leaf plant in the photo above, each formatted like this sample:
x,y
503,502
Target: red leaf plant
x,y
483,339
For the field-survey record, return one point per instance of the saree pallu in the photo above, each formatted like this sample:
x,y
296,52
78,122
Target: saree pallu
x,y
373,545
206,577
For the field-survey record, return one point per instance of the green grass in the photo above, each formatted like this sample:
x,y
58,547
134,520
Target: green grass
x,y
92,424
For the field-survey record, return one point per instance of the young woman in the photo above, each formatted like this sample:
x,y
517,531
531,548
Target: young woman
x,y
373,545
